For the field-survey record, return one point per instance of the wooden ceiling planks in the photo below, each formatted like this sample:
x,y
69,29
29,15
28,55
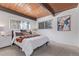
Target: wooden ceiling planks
x,y
14,11
36,10
31,9
58,7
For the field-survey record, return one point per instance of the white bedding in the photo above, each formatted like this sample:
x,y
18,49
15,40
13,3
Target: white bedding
x,y
29,44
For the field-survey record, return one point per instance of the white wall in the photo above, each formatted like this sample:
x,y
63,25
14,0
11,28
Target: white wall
x,y
5,17
68,37
65,37
47,32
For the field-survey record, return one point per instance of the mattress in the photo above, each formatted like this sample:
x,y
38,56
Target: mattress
x,y
29,44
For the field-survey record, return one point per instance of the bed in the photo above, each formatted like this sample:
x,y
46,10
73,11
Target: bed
x,y
29,44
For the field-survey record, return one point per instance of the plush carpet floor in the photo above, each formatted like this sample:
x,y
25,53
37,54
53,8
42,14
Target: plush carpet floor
x,y
53,49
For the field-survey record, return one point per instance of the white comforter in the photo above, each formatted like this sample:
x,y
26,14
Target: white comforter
x,y
28,45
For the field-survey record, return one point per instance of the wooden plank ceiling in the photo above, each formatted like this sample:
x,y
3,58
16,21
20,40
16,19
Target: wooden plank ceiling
x,y
62,6
36,10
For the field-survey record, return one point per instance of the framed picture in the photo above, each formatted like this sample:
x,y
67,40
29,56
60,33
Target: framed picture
x,y
64,23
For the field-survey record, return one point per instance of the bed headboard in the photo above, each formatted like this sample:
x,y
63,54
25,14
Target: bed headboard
x,y
14,34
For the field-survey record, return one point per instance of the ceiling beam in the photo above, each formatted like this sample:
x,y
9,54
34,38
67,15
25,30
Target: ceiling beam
x,y
16,13
59,7
49,8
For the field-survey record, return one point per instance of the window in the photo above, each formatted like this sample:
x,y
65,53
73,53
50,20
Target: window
x,y
41,25
48,24
24,25
45,25
16,24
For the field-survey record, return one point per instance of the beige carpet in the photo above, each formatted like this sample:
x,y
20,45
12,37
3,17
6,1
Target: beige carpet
x,y
53,49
